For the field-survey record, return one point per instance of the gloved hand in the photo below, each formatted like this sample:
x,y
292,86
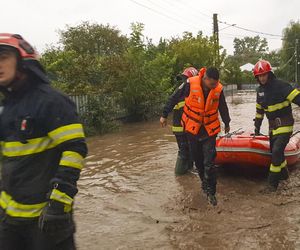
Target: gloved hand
x,y
227,129
163,121
54,218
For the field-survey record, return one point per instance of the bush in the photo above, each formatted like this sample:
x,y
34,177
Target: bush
x,y
99,115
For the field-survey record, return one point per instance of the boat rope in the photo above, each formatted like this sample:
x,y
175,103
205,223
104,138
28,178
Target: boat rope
x,y
297,132
236,132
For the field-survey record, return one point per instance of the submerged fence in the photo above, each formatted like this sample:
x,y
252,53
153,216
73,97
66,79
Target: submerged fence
x,y
249,86
229,90
83,106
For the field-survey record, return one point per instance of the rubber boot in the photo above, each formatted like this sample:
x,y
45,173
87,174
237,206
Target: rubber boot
x,y
273,180
212,200
210,176
272,185
204,186
284,174
192,169
211,193
182,166
191,165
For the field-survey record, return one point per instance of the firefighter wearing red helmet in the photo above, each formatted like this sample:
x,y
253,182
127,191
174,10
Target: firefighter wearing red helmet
x,y
184,160
274,99
202,99
43,148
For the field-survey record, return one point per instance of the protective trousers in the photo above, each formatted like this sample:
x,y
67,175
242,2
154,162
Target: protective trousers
x,y
26,235
204,154
278,167
184,160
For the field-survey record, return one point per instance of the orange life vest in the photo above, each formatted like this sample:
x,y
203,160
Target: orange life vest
x,y
198,112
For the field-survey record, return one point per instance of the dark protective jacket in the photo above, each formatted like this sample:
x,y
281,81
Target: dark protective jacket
x,y
183,91
175,103
43,149
274,99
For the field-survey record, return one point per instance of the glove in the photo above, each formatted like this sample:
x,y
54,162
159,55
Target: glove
x,y
55,218
163,121
227,129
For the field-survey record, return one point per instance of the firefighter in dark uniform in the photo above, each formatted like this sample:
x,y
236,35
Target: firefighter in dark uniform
x,y
204,100
43,148
184,161
274,98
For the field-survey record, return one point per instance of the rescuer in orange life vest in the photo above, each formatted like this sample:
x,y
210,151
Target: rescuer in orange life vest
x,y
204,99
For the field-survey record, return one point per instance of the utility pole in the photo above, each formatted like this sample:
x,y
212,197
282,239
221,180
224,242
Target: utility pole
x,y
297,62
216,40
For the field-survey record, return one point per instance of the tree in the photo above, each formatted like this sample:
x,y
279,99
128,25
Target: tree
x,y
93,39
231,71
287,67
250,49
146,80
274,58
197,51
80,64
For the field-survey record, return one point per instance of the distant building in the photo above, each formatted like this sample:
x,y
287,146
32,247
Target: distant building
x,y
247,67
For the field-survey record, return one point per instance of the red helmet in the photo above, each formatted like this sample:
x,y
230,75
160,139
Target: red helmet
x,y
262,67
28,55
190,72
25,50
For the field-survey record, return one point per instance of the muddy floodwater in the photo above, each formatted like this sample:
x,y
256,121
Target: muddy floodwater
x,y
129,197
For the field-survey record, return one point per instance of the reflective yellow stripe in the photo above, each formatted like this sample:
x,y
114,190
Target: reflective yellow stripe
x,y
277,106
282,130
37,145
15,209
71,159
284,164
66,133
259,106
277,169
61,197
4,199
259,116
32,146
179,105
293,94
177,129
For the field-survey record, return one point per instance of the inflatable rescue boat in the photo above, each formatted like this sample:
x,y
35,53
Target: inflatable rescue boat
x,y
244,149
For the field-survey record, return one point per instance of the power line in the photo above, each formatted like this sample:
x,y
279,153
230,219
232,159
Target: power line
x,y
249,30
170,3
193,7
231,25
228,25
160,13
187,22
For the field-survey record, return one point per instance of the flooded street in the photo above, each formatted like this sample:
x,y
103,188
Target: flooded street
x,y
129,197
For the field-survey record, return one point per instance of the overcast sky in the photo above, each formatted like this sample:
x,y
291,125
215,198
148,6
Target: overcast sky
x,y
39,20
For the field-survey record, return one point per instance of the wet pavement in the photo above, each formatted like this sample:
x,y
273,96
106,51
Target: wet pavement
x,y
129,197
